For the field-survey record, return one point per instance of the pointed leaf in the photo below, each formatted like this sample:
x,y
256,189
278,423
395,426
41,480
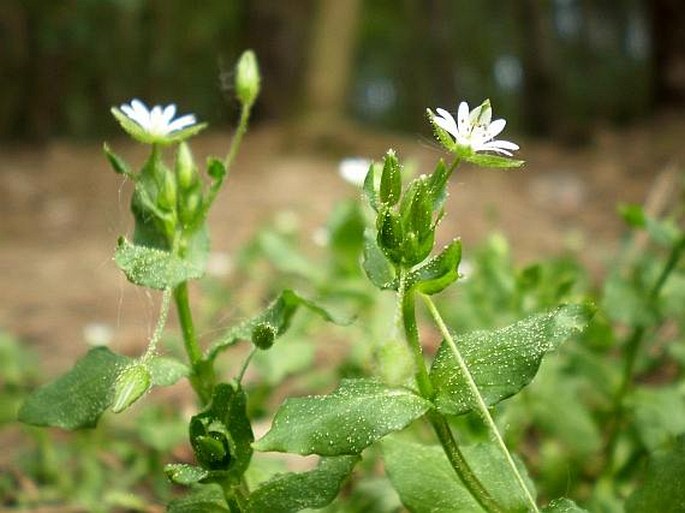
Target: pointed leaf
x,y
377,267
437,273
78,398
184,474
502,361
347,421
437,185
154,268
278,316
165,371
288,493
427,483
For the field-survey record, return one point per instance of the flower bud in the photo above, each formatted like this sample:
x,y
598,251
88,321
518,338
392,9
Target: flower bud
x,y
166,199
186,170
131,384
190,206
390,235
264,335
391,181
247,82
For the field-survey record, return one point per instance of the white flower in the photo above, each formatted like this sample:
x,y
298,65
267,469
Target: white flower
x,y
158,122
474,129
354,170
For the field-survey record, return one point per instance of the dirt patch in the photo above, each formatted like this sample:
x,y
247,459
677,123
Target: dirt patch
x,y
63,209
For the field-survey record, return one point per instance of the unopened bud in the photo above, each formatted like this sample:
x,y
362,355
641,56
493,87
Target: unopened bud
x,y
167,191
131,384
186,170
263,335
391,181
247,82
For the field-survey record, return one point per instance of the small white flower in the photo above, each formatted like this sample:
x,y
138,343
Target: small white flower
x,y
354,170
474,129
158,122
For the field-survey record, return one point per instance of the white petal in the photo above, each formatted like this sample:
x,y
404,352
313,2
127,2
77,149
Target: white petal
x,y
505,144
169,112
182,122
495,128
142,114
463,118
446,121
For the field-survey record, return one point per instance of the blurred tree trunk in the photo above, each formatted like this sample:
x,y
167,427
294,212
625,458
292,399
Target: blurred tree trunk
x,y
331,55
538,81
668,47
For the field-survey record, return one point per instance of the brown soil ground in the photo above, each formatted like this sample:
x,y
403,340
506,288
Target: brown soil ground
x,y
63,209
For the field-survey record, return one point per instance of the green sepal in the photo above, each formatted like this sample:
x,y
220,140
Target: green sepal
x,y
493,161
221,436
436,274
442,135
377,267
292,492
118,164
389,235
502,361
278,315
323,424
391,180
154,268
185,167
437,185
78,398
369,188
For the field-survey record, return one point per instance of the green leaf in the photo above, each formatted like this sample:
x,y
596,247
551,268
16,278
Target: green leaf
x,y
563,505
494,161
369,187
664,487
377,267
78,398
437,273
427,483
117,163
288,493
202,499
165,371
347,421
502,361
221,435
154,268
277,315
184,474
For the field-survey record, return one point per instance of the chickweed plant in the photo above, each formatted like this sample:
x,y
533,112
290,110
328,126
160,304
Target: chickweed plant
x,y
417,412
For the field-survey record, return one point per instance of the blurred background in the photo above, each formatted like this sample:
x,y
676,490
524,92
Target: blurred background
x,y
552,67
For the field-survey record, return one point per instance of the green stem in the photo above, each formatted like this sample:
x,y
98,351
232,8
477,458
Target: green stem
x,y
632,350
202,377
480,402
438,422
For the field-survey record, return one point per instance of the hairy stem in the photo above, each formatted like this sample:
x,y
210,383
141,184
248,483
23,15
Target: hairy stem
x,y
438,421
480,402
161,322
